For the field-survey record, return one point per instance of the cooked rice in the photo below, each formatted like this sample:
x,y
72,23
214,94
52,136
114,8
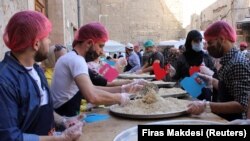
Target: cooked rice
x,y
161,106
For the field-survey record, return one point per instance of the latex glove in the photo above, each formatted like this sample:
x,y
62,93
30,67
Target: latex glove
x,y
70,121
206,70
120,64
172,71
131,88
138,72
140,81
240,122
124,99
72,133
196,107
208,79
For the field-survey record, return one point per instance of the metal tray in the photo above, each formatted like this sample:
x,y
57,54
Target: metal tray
x,y
131,134
162,84
133,76
141,116
176,95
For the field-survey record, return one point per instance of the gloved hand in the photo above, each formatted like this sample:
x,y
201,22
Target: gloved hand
x,y
140,81
138,72
172,71
206,70
208,79
72,133
131,88
120,64
70,121
196,107
124,99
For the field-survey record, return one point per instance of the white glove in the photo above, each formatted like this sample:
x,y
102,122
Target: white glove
x,y
206,70
70,121
196,107
120,64
208,79
172,71
124,99
140,81
131,88
72,133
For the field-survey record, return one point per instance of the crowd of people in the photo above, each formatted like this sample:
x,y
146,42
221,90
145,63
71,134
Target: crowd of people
x,y
36,98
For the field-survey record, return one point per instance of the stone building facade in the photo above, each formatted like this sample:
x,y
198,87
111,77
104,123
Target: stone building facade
x,y
127,20
62,14
7,9
136,20
232,11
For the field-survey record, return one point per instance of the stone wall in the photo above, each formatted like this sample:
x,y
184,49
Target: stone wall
x,y
63,15
7,9
231,11
136,21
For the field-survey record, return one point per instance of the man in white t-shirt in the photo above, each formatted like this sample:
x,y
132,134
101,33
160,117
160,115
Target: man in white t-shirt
x,y
71,80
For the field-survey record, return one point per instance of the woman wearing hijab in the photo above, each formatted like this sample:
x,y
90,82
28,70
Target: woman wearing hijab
x,y
194,57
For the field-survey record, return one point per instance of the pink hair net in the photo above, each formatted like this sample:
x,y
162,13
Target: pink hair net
x,y
243,44
94,30
24,29
220,28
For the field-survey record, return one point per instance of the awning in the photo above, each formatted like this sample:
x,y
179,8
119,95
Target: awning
x,y
114,46
246,20
244,24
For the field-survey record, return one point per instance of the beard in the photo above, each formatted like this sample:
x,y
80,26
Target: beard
x,y
91,54
216,51
40,55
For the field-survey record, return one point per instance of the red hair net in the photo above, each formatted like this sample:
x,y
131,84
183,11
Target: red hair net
x,y
94,30
243,44
220,28
24,29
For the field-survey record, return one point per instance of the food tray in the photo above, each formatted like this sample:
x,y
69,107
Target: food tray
x,y
136,76
162,84
146,116
177,94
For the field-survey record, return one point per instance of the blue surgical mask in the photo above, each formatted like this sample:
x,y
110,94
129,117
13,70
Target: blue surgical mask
x,y
197,47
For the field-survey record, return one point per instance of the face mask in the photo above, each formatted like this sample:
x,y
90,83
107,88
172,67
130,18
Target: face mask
x,y
215,51
197,47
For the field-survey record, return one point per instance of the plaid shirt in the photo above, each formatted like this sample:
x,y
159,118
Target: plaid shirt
x,y
235,73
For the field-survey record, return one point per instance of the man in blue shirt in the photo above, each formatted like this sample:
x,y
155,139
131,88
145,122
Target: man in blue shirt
x,y
25,103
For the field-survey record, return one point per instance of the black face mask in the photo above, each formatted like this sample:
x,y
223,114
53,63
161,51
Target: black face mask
x,y
215,51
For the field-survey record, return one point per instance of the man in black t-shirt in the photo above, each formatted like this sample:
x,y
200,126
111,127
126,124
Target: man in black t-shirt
x,y
156,57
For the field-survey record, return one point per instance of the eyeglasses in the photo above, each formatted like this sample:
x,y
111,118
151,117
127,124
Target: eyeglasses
x,y
59,48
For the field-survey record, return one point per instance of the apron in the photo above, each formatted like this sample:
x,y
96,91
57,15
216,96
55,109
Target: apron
x,y
128,67
43,124
71,107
